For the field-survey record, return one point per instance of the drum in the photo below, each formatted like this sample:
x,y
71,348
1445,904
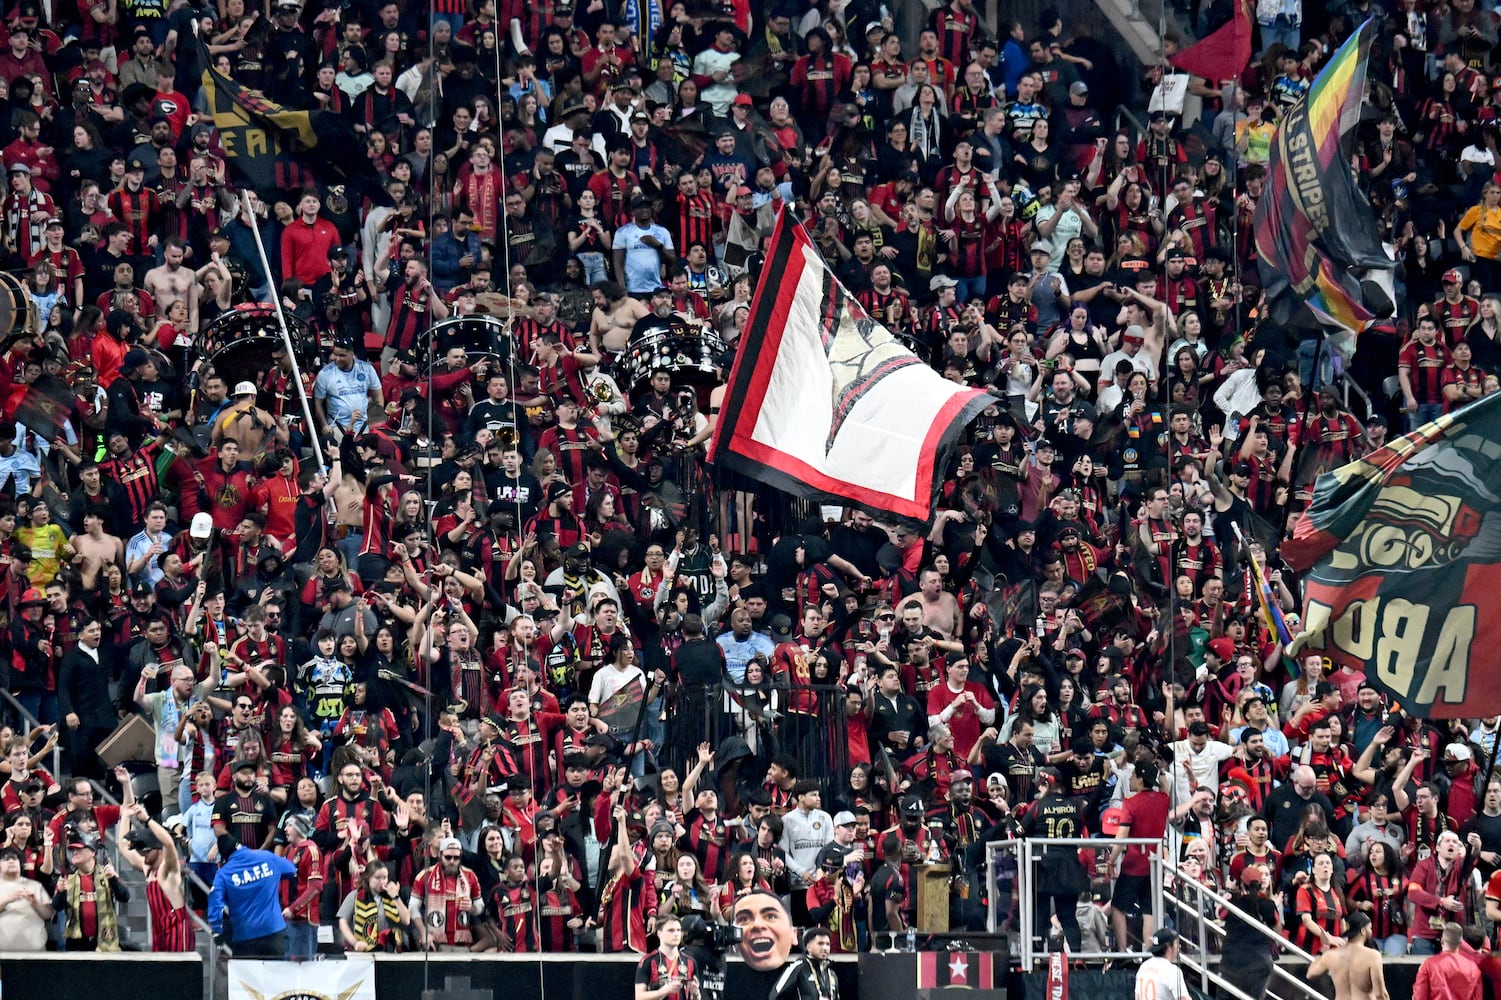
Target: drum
x,y
243,340
685,350
477,335
16,312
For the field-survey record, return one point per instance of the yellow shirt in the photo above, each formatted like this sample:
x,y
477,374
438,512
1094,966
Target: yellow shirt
x,y
1484,226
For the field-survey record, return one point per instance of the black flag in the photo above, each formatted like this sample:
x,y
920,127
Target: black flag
x,y
268,145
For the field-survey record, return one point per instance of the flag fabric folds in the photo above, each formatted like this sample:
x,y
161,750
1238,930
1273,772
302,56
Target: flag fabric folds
x,y
1222,54
1271,612
269,146
1314,228
1402,551
824,403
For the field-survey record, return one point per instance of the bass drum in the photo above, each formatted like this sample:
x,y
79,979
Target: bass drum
x,y
689,352
242,341
477,335
16,312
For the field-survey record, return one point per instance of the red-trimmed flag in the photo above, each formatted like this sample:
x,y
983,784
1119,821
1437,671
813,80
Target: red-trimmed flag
x,y
823,402
955,969
1221,54
1403,557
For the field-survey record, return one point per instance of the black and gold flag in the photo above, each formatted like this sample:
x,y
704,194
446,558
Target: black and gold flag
x,y
269,146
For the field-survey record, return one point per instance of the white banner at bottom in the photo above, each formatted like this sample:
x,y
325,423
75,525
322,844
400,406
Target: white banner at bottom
x,y
351,979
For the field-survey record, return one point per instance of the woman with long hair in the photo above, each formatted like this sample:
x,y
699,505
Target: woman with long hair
x,y
1319,907
1380,893
1484,334
294,750
375,918
1084,341
1034,706
743,879
688,892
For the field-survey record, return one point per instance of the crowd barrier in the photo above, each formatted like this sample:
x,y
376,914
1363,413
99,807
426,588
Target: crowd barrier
x,y
808,723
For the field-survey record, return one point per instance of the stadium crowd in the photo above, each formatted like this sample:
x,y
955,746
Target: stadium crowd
x,y
518,669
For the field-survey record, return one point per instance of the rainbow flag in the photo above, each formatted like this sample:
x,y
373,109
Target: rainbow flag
x,y
1271,614
1313,226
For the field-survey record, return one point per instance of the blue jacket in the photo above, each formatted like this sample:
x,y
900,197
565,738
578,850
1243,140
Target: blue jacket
x,y
248,886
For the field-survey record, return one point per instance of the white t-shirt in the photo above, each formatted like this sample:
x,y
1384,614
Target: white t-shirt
x,y
1159,979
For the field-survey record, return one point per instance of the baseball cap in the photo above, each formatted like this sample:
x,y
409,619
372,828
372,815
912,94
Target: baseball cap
x,y
202,526
244,389
1135,335
845,818
1078,87
744,100
1163,939
1457,752
942,281
1452,275
1042,246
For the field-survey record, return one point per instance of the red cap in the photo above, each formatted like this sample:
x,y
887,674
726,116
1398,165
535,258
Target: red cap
x,y
1110,821
1452,275
1252,875
744,99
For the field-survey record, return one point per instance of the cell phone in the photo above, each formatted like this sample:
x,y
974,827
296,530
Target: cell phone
x,y
1041,627
852,870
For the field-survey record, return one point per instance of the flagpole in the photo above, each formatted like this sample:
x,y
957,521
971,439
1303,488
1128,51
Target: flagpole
x,y
286,335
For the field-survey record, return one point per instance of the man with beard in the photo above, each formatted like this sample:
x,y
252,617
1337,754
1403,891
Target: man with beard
x,y
415,305
171,282
1257,757
446,901
246,813
165,709
961,819
351,807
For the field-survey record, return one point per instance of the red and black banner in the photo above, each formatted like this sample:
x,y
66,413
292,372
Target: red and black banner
x,y
956,969
1403,555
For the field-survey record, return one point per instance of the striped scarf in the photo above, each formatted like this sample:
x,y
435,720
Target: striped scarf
x,y
106,926
377,922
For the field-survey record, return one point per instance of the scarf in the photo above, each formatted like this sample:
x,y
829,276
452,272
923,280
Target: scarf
x,y
107,931
377,922
453,895
16,219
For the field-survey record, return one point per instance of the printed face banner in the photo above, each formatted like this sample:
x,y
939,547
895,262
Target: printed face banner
x,y
351,979
825,403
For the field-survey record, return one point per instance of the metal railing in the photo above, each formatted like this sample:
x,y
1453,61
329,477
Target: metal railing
x,y
808,722
190,878
30,722
1028,852
1198,962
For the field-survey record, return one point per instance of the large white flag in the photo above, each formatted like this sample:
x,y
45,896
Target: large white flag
x,y
825,403
350,979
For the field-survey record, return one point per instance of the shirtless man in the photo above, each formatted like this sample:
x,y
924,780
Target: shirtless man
x,y
244,422
1355,969
93,549
349,505
615,315
172,282
940,611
